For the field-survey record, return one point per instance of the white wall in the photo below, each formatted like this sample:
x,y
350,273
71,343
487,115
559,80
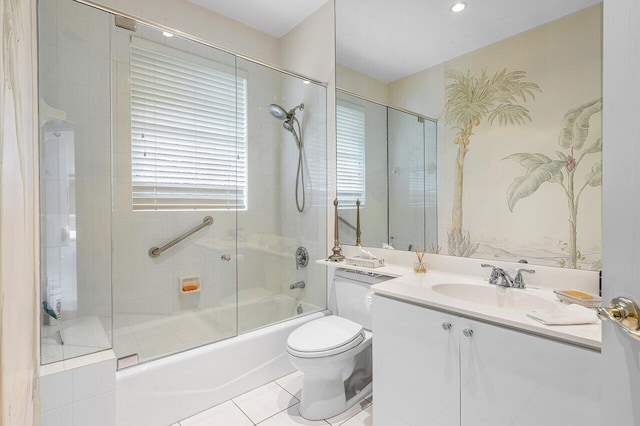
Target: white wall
x,y
200,22
362,84
18,221
309,49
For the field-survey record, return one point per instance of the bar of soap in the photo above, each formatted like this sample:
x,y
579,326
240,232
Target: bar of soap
x,y
578,294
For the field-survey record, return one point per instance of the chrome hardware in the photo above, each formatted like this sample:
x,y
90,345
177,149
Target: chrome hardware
x,y
493,279
467,332
225,257
299,309
518,281
302,257
625,314
358,231
523,261
157,251
446,326
337,251
126,23
505,279
299,284
347,223
127,361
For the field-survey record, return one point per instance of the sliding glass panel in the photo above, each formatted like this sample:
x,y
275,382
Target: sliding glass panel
x,y
406,181
75,184
286,156
180,157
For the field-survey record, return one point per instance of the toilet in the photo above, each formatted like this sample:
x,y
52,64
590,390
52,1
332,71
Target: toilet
x,y
334,352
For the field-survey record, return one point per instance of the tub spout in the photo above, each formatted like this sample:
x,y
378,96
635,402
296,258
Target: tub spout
x,y
299,284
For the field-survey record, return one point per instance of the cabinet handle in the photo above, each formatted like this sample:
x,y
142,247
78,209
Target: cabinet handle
x,y
467,332
446,326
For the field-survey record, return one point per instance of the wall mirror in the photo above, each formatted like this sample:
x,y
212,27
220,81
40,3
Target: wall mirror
x,y
514,92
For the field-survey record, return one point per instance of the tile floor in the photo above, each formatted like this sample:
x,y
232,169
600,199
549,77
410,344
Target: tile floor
x,y
275,404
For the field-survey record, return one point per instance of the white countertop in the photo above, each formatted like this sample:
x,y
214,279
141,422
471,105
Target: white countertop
x,y
417,288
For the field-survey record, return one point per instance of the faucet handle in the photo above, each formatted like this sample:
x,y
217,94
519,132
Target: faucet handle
x,y
518,281
493,279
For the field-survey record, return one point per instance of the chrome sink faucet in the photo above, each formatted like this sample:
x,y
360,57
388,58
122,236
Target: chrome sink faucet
x,y
505,278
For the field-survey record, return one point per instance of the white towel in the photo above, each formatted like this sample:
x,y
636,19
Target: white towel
x,y
565,315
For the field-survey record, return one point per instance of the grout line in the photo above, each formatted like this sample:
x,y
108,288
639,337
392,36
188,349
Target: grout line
x,y
283,388
245,414
273,415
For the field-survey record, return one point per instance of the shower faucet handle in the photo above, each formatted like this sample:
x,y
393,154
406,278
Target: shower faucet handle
x,y
225,257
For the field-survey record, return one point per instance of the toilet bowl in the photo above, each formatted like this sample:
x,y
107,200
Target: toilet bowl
x,y
334,352
326,351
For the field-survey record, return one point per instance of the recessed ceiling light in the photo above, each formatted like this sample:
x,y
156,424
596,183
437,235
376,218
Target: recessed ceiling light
x,y
458,7
167,34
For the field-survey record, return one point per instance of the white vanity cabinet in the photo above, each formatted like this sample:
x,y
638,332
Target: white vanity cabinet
x,y
476,374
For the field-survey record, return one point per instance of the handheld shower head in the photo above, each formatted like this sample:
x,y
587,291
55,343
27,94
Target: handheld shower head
x,y
278,112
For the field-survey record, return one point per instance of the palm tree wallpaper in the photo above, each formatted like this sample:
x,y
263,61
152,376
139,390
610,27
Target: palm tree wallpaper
x,y
470,101
519,162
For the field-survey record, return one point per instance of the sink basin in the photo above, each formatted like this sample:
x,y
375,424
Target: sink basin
x,y
495,296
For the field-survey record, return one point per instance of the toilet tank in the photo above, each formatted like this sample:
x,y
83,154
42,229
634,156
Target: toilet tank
x,y
351,289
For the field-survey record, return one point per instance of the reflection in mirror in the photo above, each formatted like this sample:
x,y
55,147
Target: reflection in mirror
x,y
515,87
385,159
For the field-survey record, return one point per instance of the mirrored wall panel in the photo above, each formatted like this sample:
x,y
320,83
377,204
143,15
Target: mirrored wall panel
x,y
386,161
516,90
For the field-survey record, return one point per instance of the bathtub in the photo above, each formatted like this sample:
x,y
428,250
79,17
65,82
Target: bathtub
x,y
169,389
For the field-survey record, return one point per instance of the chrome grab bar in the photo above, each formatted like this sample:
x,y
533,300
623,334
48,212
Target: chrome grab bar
x,y
157,251
625,314
346,222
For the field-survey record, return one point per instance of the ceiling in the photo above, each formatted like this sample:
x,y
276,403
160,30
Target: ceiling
x,y
389,40
274,17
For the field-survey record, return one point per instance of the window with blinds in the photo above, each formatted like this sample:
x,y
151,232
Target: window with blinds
x,y
350,128
188,131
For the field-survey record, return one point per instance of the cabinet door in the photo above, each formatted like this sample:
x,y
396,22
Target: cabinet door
x,y
513,378
415,366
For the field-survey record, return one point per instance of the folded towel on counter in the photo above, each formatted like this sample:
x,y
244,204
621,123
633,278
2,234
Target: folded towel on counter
x,y
565,315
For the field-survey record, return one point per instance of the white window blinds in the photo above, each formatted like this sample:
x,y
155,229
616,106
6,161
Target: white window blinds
x,y
350,156
188,131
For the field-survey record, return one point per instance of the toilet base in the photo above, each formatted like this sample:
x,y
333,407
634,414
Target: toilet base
x,y
326,408
328,391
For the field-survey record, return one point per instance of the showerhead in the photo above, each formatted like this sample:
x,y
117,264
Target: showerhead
x,y
278,112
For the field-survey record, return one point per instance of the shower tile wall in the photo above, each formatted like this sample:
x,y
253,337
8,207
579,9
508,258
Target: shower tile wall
x,y
75,175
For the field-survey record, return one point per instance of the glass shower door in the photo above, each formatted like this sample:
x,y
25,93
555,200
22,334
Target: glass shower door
x,y
179,160
277,243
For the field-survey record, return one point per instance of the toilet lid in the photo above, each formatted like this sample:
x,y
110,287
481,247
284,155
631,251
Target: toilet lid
x,y
325,334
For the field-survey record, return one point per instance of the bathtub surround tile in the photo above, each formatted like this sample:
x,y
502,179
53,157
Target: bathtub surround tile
x,y
290,417
95,379
292,383
95,411
55,391
265,401
59,417
224,414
